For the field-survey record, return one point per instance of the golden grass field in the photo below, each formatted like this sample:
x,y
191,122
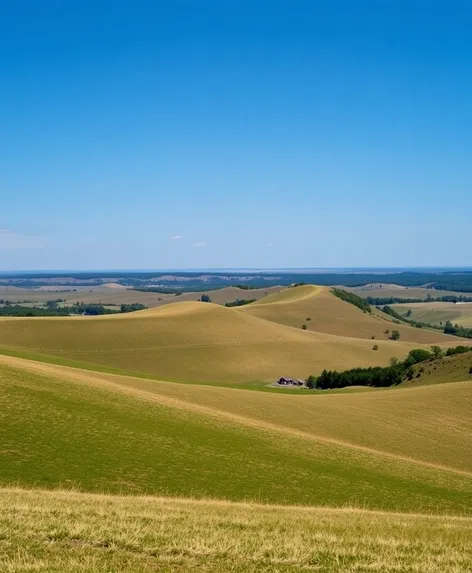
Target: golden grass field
x,y
205,342
330,315
193,342
428,425
438,312
237,479
55,532
392,290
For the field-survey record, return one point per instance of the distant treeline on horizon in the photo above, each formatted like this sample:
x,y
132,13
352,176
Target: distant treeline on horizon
x,y
457,281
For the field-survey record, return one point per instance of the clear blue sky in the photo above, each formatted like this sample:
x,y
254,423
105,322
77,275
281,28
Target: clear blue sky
x,y
235,133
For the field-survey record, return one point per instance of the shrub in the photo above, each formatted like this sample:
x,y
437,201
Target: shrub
x,y
395,335
304,326
375,347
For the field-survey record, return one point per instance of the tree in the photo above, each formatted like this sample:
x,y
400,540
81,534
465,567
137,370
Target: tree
x,y
417,355
437,352
394,361
205,298
395,335
304,326
311,381
375,347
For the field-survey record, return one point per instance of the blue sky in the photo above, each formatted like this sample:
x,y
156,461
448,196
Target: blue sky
x,y
235,133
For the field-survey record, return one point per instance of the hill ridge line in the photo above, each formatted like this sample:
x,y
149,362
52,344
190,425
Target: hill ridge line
x,y
105,380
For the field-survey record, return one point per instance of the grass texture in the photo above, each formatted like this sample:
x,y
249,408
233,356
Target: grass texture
x,y
53,532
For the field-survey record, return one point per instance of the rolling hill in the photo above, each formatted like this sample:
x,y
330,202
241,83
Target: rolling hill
x,y
193,341
63,427
331,315
235,479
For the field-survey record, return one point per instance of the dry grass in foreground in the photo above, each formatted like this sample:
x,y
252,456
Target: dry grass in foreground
x,y
61,531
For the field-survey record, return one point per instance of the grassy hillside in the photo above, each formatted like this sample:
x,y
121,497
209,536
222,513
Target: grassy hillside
x,y
392,290
444,370
438,312
53,532
192,342
68,428
330,315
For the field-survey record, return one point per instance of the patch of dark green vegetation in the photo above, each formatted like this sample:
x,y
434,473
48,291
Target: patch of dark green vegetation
x,y
245,287
158,290
240,302
352,299
52,308
381,301
378,376
457,330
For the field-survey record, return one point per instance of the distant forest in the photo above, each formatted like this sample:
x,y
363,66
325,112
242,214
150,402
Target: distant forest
x,y
457,281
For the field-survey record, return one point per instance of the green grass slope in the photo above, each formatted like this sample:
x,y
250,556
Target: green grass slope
x,y
54,532
447,369
193,341
63,427
438,312
331,315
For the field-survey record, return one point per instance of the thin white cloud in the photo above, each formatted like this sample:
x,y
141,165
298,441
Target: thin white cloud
x,y
11,240
199,245
271,244
176,237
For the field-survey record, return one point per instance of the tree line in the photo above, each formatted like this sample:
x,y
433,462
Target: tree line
x,y
53,309
381,301
380,376
352,299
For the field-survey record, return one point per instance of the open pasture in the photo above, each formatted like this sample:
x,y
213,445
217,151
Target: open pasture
x,y
380,290
438,313
197,342
64,427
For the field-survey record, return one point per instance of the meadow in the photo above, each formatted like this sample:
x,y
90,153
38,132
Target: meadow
x,y
235,478
438,313
53,532
203,342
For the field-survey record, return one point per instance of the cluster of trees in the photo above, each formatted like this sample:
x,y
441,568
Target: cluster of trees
x,y
159,290
381,376
53,309
457,330
132,307
240,302
352,299
458,350
374,376
205,298
381,301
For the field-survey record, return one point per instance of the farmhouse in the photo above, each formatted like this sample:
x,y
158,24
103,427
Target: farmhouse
x,y
290,382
